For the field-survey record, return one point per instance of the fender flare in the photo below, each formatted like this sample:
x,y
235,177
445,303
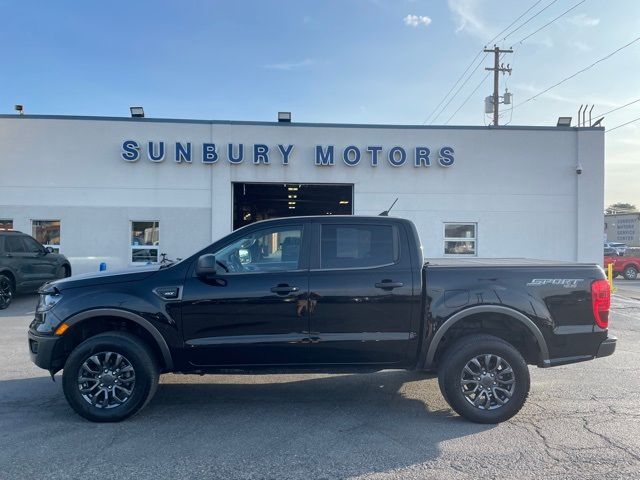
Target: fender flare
x,y
145,324
452,320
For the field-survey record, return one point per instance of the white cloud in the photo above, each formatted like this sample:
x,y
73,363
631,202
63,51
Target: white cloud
x,y
581,46
584,20
466,14
307,62
416,20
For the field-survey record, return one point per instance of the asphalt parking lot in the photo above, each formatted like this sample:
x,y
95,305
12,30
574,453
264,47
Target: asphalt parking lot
x,y
581,421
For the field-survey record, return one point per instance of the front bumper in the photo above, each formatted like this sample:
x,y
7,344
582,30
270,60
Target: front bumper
x,y
607,347
42,350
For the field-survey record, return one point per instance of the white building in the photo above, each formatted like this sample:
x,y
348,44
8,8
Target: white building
x,y
124,190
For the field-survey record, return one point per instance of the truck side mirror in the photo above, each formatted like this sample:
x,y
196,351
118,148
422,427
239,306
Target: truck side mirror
x,y
48,250
206,265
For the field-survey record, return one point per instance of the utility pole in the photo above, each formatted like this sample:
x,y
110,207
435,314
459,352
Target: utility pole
x,y
497,68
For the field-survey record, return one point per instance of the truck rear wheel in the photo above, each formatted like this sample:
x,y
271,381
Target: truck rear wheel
x,y
484,379
631,273
110,377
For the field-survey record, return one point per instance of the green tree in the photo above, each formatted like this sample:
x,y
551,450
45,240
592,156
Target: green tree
x,y
620,208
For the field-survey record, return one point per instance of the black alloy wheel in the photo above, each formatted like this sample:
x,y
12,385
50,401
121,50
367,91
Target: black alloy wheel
x,y
484,378
6,291
110,377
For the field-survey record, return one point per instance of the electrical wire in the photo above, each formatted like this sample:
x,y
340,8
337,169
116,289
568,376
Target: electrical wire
x,y
622,125
616,109
475,58
460,88
527,21
467,99
550,22
454,86
577,73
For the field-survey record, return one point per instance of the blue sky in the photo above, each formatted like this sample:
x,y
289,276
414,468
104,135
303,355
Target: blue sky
x,y
361,61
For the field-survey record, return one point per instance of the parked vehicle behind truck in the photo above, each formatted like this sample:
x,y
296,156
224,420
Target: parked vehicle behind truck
x,y
628,267
333,294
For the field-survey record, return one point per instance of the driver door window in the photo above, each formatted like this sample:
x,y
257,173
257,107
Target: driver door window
x,y
272,250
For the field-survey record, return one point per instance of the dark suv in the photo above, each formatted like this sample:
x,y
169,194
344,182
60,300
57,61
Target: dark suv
x,y
25,265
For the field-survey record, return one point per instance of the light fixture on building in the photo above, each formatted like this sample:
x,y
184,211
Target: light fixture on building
x,y
564,122
293,196
344,202
19,108
284,117
292,189
292,208
292,203
137,112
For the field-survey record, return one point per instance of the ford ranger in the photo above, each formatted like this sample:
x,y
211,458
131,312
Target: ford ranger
x,y
329,294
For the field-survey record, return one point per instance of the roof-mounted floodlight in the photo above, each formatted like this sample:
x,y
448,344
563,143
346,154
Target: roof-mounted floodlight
x,y
19,108
284,117
137,112
564,122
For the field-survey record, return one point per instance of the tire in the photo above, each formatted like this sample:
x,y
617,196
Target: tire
x,y
63,272
507,387
631,272
7,291
104,349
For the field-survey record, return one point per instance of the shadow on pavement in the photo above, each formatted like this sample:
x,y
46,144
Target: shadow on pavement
x,y
319,426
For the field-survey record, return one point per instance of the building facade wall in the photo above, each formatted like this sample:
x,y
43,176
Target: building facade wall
x,y
519,185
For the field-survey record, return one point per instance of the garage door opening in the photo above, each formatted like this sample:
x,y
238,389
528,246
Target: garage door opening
x,y
261,201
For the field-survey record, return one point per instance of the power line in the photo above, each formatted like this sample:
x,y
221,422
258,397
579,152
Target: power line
x,y
460,88
622,125
550,22
509,26
454,86
530,18
469,97
474,59
616,109
578,72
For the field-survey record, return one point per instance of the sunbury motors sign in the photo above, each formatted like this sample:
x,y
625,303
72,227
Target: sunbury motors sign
x,y
258,153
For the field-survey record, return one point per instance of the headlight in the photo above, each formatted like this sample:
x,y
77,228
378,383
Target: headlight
x,y
48,301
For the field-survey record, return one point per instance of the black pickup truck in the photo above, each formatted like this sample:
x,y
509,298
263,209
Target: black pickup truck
x,y
331,294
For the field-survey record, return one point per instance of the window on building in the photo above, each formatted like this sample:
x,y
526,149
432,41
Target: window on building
x,y
47,232
145,241
6,224
357,246
460,238
273,250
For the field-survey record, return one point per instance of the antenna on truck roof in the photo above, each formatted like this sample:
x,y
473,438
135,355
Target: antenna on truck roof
x,y
386,212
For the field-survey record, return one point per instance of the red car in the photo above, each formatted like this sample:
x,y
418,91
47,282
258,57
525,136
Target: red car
x,y
628,267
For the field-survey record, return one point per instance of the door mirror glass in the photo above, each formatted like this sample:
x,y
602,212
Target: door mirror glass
x,y
206,265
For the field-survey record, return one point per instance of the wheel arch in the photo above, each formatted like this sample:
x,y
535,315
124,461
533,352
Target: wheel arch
x,y
486,309
141,322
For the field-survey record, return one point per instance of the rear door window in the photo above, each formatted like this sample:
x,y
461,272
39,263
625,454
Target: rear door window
x,y
358,246
13,244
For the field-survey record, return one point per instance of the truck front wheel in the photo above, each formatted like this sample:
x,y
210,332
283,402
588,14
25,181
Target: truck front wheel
x,y
110,377
484,378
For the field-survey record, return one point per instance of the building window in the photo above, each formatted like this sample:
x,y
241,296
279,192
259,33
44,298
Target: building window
x,y
145,242
6,224
460,238
357,246
47,232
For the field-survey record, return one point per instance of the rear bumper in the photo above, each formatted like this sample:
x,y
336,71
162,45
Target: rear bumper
x,y
41,350
607,347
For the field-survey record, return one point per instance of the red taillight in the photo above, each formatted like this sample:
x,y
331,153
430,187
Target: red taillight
x,y
601,302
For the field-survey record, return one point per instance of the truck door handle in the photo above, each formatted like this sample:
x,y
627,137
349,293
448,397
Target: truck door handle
x,y
389,285
284,289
